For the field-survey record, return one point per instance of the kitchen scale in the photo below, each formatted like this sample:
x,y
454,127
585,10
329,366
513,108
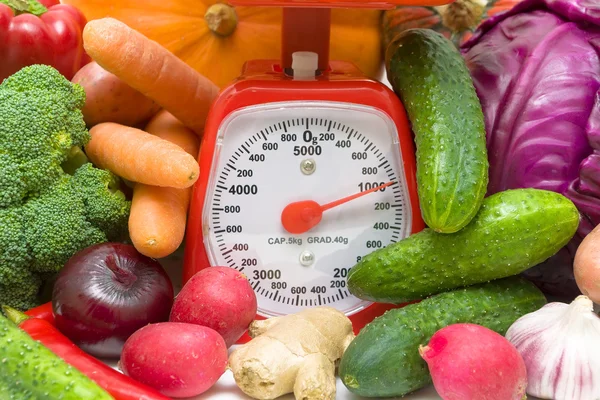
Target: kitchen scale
x,y
305,167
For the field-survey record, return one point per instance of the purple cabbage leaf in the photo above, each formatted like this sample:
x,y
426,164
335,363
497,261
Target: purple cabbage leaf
x,y
536,69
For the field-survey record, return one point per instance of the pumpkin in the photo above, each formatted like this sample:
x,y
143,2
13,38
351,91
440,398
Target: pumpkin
x,y
216,38
456,21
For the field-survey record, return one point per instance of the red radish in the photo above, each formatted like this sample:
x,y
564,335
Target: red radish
x,y
220,298
472,362
177,359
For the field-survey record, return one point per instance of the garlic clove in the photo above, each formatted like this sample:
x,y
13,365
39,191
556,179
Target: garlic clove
x,y
560,344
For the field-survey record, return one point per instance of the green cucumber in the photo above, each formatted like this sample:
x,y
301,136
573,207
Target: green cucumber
x,y
383,360
30,371
513,231
432,80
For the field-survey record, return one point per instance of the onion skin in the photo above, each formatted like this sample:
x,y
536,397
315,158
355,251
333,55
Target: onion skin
x,y
586,265
105,293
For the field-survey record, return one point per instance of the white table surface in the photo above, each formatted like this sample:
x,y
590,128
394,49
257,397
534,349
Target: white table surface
x,y
226,389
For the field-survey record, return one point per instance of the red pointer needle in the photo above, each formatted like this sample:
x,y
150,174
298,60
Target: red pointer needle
x,y
301,216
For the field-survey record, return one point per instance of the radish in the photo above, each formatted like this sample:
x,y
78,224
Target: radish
x,y
177,359
472,362
220,298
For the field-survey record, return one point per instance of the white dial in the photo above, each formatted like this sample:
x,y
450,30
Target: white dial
x,y
269,156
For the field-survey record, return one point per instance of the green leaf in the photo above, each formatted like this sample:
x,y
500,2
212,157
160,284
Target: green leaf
x,y
25,6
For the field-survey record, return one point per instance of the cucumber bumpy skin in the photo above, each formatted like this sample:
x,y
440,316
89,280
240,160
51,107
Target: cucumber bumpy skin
x,y
30,371
383,360
432,80
513,231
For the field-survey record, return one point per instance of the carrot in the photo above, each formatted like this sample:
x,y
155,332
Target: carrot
x,y
165,126
158,214
151,69
140,157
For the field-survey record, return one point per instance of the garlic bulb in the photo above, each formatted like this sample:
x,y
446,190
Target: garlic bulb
x,y
560,344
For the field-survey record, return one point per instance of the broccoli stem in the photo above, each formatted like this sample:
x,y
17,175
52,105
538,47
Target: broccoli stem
x,y
75,159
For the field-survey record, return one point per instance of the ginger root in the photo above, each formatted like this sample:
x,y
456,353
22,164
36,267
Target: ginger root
x,y
293,353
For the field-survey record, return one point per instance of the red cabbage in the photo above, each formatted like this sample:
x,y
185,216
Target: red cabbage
x,y
536,69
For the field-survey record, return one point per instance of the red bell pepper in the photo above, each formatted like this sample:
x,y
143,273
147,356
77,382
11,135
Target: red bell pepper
x,y
31,33
43,311
120,386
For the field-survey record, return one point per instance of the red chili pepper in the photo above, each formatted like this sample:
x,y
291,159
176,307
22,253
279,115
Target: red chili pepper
x,y
120,386
30,34
42,312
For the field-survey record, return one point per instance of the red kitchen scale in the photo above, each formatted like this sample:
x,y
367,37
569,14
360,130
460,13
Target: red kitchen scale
x,y
306,166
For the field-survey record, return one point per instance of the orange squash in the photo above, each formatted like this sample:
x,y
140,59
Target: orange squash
x,y
456,21
216,39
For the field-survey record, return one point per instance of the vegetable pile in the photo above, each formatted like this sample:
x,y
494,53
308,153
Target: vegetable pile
x,y
31,370
53,203
384,360
38,325
536,69
100,128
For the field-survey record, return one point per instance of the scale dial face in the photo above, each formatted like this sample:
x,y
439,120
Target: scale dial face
x,y
269,156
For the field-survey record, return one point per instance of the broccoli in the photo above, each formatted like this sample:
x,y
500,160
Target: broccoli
x,y
22,293
41,121
50,207
105,205
56,227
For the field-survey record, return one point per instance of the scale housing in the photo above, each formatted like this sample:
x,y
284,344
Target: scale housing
x,y
305,28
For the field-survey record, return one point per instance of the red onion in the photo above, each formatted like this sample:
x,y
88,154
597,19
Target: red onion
x,y
105,293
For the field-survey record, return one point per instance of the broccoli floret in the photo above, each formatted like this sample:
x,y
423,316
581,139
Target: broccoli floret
x,y
15,256
21,294
41,121
56,226
53,203
18,285
105,205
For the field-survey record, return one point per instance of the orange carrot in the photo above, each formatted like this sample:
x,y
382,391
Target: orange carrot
x,y
140,157
158,214
165,126
151,69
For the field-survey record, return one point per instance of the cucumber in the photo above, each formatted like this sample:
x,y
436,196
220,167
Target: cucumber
x,y
30,371
383,360
432,80
514,230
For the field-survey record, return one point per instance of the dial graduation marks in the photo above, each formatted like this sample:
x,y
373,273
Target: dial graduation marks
x,y
294,159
